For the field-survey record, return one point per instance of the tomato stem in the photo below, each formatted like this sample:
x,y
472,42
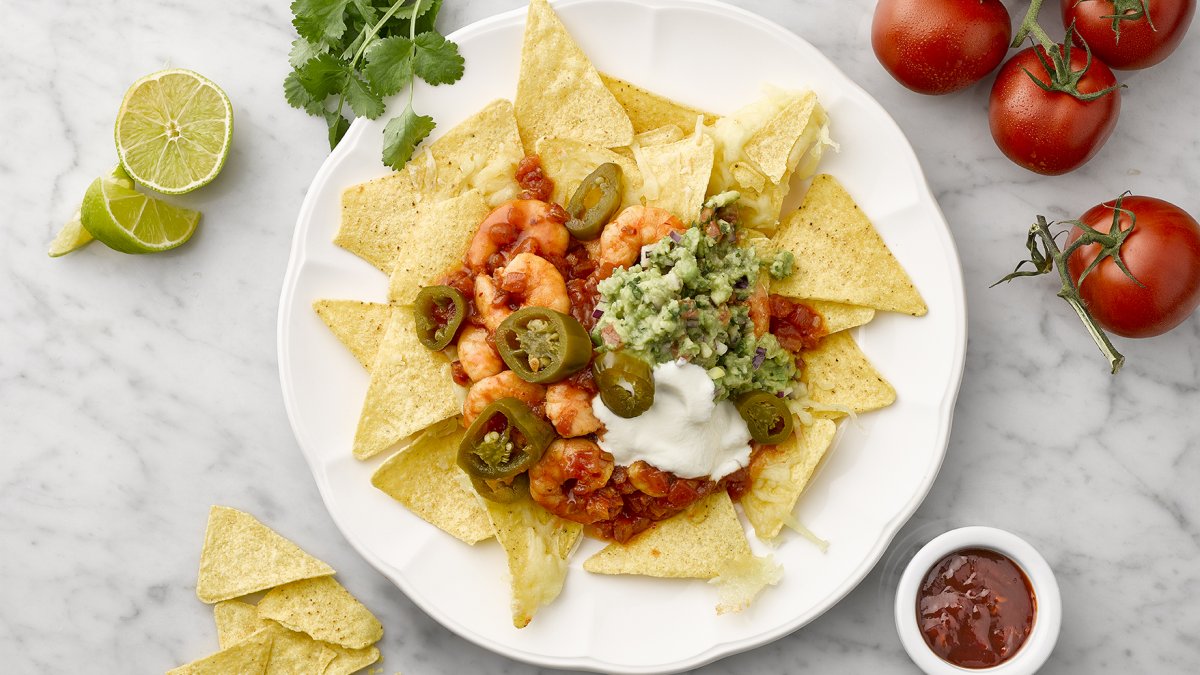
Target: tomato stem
x,y
1030,26
1055,58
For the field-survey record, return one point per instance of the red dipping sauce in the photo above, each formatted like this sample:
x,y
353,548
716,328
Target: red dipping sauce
x,y
975,608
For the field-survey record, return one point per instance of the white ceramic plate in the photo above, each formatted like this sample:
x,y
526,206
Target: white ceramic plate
x,y
881,467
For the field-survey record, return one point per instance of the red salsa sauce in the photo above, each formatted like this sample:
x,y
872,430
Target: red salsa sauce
x,y
975,608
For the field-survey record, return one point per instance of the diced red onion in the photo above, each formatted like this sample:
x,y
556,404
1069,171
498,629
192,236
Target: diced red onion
x,y
741,283
760,355
597,313
675,236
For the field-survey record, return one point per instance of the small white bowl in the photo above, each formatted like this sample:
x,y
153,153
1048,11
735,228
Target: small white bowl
x,y
1047,619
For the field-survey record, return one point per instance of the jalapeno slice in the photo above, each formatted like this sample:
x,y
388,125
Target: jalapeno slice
x,y
440,311
504,490
506,439
594,202
626,383
542,345
767,416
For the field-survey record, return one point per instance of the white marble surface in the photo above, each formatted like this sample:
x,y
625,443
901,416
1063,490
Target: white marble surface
x,y
135,392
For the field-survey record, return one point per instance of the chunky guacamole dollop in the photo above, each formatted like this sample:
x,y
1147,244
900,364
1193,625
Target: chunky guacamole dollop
x,y
687,299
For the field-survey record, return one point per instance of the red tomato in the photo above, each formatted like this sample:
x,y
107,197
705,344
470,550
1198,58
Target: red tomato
x,y
940,46
1141,44
1051,132
1162,252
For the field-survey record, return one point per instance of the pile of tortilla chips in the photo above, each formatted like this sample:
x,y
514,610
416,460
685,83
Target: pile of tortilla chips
x,y
305,622
415,224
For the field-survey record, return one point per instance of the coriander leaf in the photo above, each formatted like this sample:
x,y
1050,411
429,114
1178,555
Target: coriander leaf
x,y
337,127
418,8
362,100
321,21
323,75
427,20
437,60
389,64
367,11
401,136
298,97
303,50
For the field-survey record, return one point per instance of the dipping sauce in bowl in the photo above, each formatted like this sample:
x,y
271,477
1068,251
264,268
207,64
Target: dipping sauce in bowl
x,y
975,608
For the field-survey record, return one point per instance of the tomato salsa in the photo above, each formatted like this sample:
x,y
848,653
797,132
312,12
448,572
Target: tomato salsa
x,y
975,608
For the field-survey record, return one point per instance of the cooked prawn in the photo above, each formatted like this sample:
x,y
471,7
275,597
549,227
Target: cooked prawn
x,y
527,281
760,309
521,225
571,481
501,385
477,355
622,240
652,481
570,410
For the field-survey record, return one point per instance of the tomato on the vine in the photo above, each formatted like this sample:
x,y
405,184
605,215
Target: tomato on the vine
x,y
1162,253
1146,34
1051,132
940,46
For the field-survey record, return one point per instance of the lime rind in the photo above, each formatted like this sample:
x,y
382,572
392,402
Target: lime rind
x,y
128,221
173,131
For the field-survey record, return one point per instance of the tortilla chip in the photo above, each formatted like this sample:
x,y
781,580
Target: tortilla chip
x,y
358,325
568,162
435,243
292,652
559,93
771,146
691,545
324,610
350,660
411,389
840,256
246,658
236,621
837,373
242,556
659,135
781,474
648,110
675,175
537,544
839,317
741,579
479,154
425,478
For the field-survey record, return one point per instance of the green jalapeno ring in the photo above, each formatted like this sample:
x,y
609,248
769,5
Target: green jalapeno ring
x,y
483,452
626,383
595,201
541,345
504,490
767,416
431,333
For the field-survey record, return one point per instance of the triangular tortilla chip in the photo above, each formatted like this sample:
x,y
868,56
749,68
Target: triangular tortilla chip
x,y
242,556
537,544
837,373
425,478
436,243
479,154
324,610
559,92
246,658
780,475
691,545
292,652
739,580
236,621
568,162
350,660
839,317
358,325
411,389
840,256
675,175
772,145
648,110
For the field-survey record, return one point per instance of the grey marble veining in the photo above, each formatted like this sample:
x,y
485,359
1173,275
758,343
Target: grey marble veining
x,y
135,392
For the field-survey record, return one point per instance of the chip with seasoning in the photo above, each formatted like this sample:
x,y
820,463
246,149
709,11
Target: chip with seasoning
x,y
358,325
237,621
675,175
434,243
567,162
648,110
837,373
324,610
246,658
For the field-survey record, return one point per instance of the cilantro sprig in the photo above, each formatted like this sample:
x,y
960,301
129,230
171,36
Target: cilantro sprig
x,y
355,53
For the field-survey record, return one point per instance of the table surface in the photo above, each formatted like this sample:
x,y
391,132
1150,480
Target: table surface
x,y
136,392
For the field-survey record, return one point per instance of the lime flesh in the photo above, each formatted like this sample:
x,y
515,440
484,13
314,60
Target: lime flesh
x,y
71,237
129,221
173,131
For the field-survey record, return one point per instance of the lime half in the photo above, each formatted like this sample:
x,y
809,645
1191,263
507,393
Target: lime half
x,y
173,131
129,221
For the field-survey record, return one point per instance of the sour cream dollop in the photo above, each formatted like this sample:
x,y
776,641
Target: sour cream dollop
x,y
684,431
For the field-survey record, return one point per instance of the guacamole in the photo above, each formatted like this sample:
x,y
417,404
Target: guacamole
x,y
687,299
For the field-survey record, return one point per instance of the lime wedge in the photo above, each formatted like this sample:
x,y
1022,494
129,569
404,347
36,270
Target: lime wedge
x,y
129,221
173,131
71,237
